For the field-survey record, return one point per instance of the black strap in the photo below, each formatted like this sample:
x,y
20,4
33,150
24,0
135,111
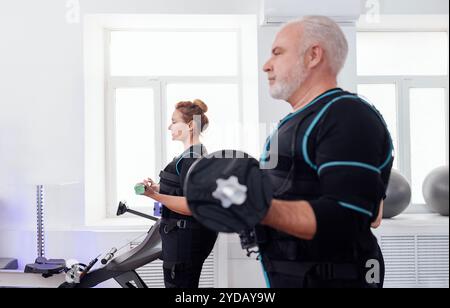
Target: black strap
x,y
287,267
180,266
171,224
326,271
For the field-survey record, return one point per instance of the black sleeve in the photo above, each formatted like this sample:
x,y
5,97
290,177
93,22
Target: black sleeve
x,y
350,146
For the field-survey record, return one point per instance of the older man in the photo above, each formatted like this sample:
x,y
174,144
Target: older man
x,y
334,158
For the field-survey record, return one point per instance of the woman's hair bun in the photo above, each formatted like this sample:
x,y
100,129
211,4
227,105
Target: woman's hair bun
x,y
199,103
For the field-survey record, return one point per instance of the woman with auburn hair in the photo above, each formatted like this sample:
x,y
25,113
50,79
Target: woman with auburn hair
x,y
185,242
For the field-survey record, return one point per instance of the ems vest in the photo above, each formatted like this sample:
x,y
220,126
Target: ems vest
x,y
170,178
290,150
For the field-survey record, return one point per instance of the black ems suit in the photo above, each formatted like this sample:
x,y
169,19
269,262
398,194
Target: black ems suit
x,y
335,153
185,243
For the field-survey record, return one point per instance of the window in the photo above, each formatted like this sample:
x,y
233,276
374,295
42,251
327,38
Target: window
x,y
402,53
428,127
135,139
148,64
405,75
174,53
384,96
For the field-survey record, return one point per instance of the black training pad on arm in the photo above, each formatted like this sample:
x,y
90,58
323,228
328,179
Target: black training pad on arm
x,y
201,182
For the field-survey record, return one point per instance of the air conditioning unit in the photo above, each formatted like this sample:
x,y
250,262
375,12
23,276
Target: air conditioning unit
x,y
276,12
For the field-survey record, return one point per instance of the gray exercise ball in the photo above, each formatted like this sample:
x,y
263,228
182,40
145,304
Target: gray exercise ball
x,y
398,195
435,190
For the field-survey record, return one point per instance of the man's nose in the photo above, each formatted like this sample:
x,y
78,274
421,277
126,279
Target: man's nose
x,y
267,67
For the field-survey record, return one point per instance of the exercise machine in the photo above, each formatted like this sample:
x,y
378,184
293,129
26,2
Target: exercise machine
x,y
123,267
41,265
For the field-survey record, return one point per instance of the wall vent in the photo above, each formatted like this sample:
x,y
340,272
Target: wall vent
x,y
153,276
417,261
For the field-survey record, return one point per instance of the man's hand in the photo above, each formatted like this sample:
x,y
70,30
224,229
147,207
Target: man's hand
x,y
377,223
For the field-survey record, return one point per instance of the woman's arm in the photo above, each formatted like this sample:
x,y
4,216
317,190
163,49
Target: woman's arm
x,y
176,204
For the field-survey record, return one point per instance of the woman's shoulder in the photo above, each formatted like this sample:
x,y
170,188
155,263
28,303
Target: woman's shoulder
x,y
188,157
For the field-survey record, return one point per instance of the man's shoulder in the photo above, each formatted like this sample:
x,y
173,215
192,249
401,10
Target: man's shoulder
x,y
351,106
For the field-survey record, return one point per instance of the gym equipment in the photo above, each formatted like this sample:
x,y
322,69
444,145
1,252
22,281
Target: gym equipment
x,y
435,190
157,209
228,192
123,208
43,266
398,195
8,264
46,267
76,272
121,268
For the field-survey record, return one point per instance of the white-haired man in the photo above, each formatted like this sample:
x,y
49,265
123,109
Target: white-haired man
x,y
334,159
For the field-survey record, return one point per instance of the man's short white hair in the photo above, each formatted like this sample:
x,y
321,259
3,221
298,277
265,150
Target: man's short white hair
x,y
327,33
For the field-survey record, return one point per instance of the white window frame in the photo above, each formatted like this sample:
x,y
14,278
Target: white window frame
x,y
159,84
99,89
403,85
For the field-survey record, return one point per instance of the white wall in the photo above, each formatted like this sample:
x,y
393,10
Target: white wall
x,y
41,95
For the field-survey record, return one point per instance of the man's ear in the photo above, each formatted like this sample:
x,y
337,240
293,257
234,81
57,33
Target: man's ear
x,y
314,56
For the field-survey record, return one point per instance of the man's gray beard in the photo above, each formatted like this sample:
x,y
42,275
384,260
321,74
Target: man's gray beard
x,y
283,90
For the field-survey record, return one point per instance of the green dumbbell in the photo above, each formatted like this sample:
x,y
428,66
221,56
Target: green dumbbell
x,y
139,189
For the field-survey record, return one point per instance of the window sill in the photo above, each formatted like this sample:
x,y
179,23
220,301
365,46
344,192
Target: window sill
x,y
422,224
122,224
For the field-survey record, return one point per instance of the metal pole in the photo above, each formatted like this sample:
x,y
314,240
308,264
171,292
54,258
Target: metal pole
x,y
40,222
